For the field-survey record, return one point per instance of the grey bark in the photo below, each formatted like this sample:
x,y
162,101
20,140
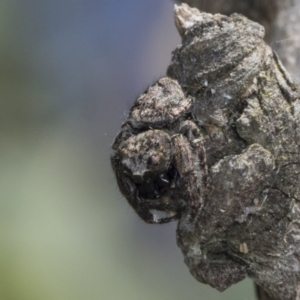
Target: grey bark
x,y
281,19
216,145
249,221
261,11
286,35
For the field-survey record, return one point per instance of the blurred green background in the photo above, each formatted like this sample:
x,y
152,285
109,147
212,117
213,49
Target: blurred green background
x,y
70,70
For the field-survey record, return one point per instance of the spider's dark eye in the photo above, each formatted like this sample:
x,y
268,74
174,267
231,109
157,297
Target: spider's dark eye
x,y
148,191
163,181
154,187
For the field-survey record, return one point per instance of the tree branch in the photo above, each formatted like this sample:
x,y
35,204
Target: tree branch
x,y
257,10
216,143
279,17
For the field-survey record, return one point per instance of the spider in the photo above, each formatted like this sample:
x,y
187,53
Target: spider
x,y
158,158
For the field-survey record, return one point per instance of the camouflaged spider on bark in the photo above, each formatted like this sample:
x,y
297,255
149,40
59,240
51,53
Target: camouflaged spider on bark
x,y
159,165
216,145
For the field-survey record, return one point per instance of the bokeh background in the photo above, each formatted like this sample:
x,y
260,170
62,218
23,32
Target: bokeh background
x,y
70,69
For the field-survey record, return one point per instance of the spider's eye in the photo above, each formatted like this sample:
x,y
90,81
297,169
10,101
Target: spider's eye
x,y
148,191
153,187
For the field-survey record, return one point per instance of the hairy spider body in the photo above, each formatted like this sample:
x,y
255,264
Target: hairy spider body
x,y
155,166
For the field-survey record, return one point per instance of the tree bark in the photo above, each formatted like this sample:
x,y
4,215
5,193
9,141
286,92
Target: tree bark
x,y
216,144
285,39
257,10
262,295
281,19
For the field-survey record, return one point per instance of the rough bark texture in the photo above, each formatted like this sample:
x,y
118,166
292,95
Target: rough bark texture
x,y
262,295
261,11
279,17
230,170
281,21
285,38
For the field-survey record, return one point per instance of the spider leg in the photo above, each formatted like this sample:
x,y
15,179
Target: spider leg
x,y
188,168
191,131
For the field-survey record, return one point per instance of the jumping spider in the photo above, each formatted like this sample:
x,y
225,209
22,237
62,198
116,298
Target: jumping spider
x,y
159,170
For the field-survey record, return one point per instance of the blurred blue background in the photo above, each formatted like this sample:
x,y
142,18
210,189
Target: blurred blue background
x,y
69,72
